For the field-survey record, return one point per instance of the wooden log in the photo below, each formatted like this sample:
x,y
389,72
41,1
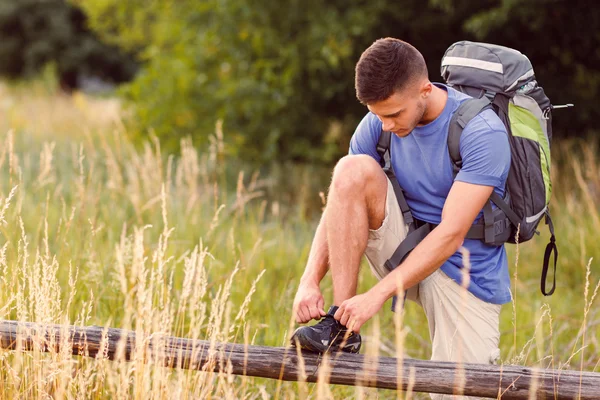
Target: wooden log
x,y
493,381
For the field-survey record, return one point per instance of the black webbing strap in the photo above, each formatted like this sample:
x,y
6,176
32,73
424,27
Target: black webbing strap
x,y
550,248
406,213
416,236
503,205
488,221
467,110
383,148
465,113
383,144
407,245
477,230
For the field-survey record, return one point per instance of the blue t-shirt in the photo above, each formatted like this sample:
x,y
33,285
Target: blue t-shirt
x,y
424,170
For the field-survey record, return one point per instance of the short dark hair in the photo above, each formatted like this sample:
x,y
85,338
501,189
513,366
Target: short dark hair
x,y
387,66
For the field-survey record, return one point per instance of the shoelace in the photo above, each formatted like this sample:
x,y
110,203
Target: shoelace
x,y
328,320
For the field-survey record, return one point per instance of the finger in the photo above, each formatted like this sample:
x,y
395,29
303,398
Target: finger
x,y
298,316
350,324
354,325
346,313
345,318
339,312
321,305
301,318
306,314
314,312
298,304
296,312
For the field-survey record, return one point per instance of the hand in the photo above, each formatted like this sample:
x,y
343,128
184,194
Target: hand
x,y
308,303
354,312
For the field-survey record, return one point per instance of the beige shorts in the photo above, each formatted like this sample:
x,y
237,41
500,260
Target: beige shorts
x,y
462,327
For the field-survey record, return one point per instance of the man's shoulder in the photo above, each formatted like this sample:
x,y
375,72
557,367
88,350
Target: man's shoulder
x,y
486,120
365,137
456,95
368,130
485,134
369,125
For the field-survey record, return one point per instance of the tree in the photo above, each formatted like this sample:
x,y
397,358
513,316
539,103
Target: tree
x,y
274,74
36,32
561,39
280,75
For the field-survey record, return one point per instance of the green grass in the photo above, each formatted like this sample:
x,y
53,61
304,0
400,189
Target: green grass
x,y
102,232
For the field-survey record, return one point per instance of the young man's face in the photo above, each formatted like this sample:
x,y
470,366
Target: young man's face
x,y
402,111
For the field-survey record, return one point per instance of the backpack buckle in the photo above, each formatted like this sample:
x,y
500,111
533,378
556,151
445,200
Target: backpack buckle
x,y
490,95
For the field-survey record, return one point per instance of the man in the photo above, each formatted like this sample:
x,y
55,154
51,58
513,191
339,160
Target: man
x,y
362,216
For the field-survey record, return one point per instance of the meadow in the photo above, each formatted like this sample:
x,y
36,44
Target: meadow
x,y
96,230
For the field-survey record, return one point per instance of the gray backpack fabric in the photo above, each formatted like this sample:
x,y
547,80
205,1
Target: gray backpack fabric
x,y
502,79
506,78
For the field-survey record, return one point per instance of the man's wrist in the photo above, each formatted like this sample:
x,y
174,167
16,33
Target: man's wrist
x,y
309,280
379,294
388,287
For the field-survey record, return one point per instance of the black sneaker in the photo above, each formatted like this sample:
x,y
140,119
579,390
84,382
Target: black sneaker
x,y
327,335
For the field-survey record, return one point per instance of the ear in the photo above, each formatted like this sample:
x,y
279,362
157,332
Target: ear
x,y
426,89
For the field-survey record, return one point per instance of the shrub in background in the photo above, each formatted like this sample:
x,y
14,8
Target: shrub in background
x,y
280,74
37,32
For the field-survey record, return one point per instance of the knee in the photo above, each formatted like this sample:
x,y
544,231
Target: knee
x,y
354,172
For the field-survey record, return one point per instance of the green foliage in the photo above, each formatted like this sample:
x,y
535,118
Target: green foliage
x,y
37,32
561,38
280,75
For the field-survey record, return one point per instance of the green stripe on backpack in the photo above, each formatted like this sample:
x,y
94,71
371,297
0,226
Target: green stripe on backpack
x,y
524,124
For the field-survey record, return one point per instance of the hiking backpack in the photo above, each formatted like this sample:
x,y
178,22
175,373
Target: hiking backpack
x,y
500,78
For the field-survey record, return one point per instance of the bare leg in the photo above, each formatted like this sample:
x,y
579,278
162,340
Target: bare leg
x,y
356,203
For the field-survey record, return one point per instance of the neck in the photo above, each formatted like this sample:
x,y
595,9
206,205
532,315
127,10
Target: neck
x,y
435,105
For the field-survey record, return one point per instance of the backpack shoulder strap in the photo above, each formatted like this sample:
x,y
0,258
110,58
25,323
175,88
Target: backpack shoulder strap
x,y
465,113
383,145
383,149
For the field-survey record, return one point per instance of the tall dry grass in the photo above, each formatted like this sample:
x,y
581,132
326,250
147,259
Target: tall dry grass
x,y
95,230
86,239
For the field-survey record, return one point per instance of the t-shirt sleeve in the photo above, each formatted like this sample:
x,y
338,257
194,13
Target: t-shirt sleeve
x,y
485,152
365,137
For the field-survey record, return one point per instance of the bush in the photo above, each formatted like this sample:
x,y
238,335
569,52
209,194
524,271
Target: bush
x,y
37,32
280,76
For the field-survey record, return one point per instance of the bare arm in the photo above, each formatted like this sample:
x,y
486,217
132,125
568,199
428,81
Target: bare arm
x,y
464,202
318,259
308,303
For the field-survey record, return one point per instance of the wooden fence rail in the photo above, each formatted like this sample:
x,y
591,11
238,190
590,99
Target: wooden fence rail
x,y
493,381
